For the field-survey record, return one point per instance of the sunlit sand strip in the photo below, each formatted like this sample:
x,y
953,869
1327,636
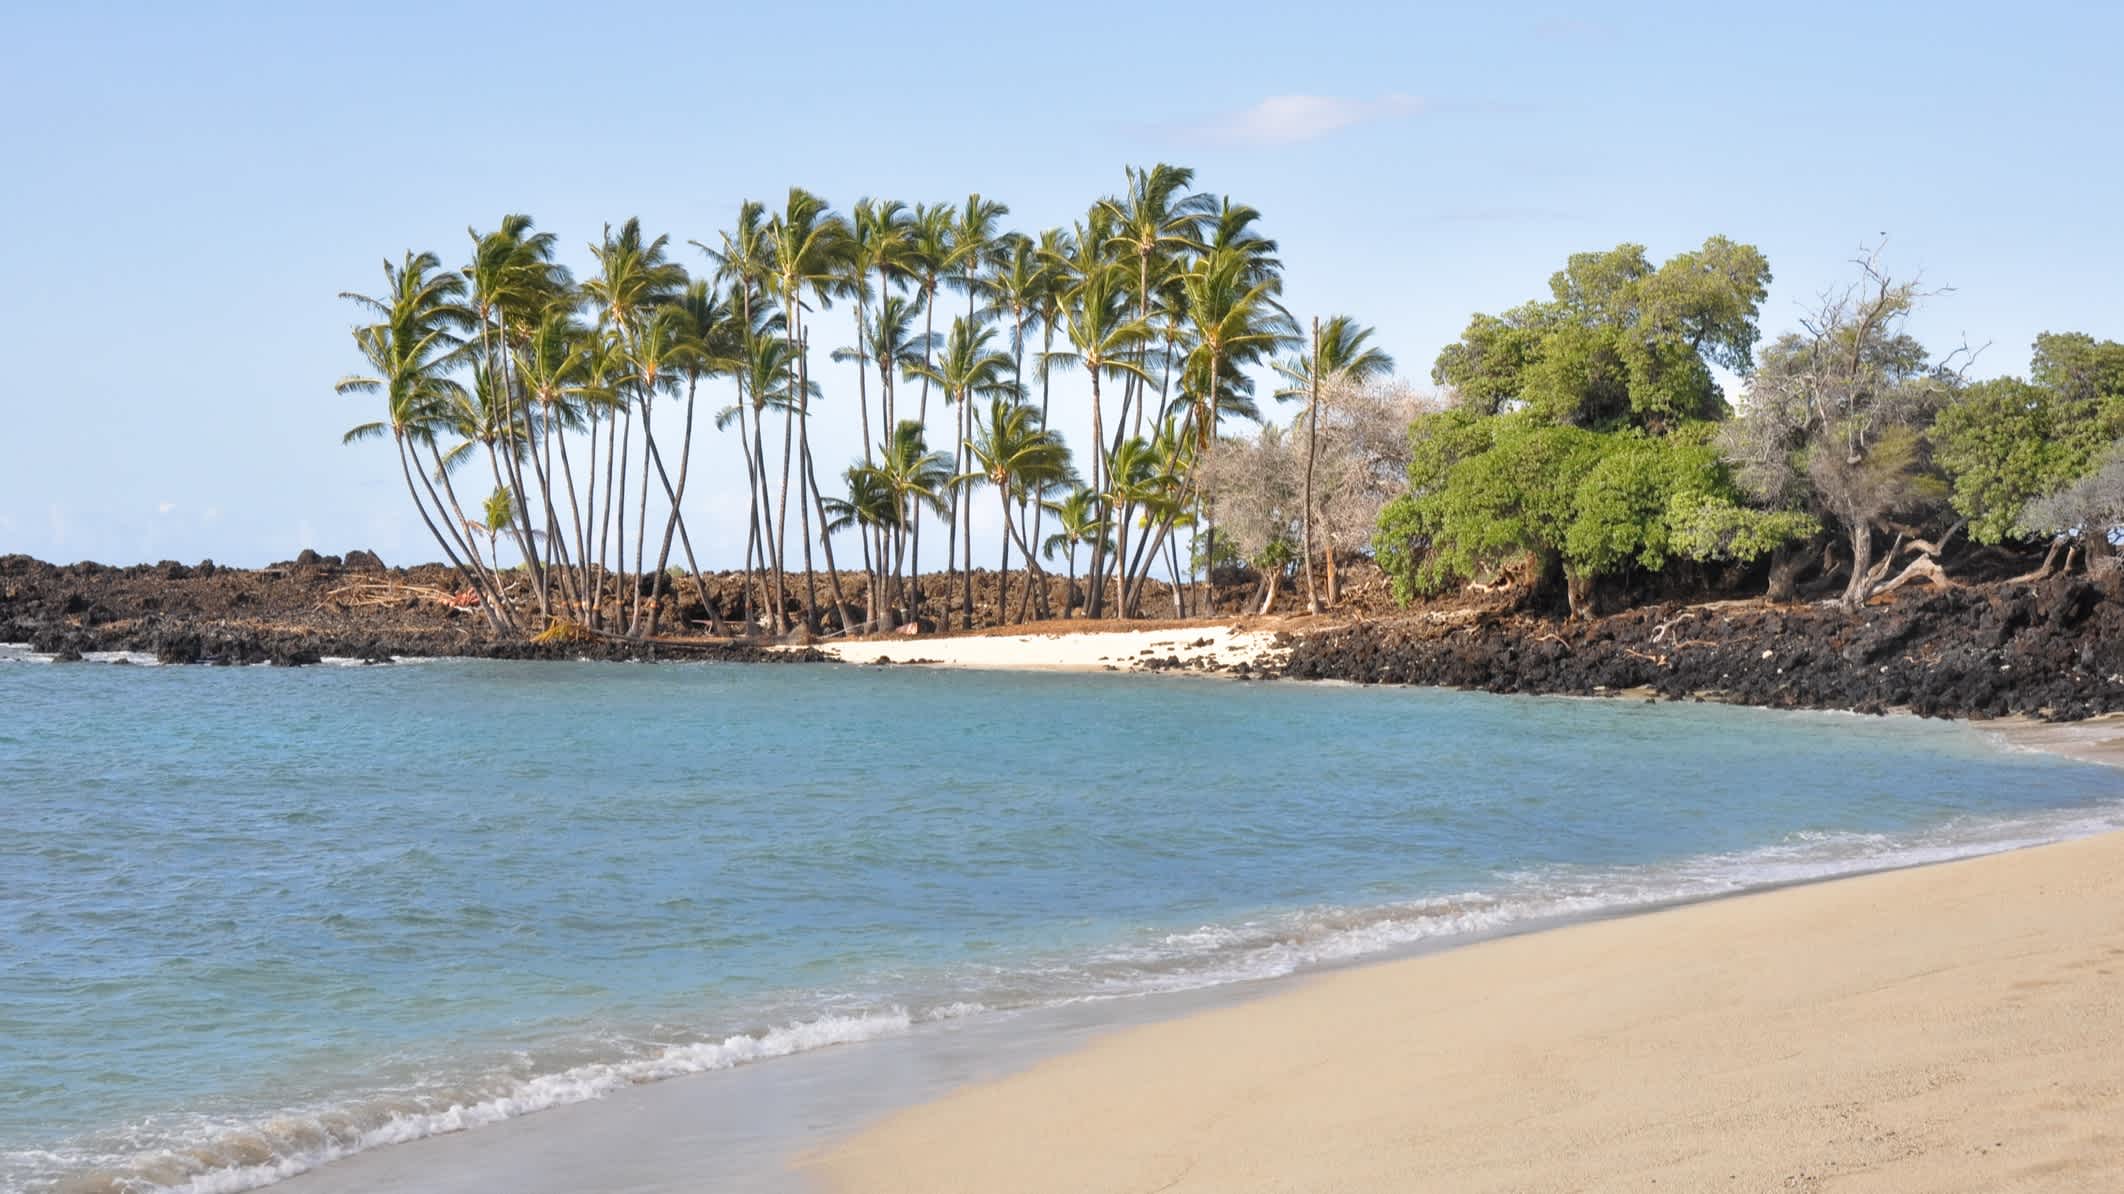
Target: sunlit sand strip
x,y
1949,1028
1077,651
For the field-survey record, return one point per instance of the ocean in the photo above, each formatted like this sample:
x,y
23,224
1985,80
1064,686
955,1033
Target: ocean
x,y
255,921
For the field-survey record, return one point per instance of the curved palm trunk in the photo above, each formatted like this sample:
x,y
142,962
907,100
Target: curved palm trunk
x,y
486,608
641,519
593,581
842,613
1039,511
781,533
1095,574
492,584
520,515
676,522
575,510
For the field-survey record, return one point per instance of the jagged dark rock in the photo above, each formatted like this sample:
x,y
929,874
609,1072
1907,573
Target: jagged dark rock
x,y
2053,650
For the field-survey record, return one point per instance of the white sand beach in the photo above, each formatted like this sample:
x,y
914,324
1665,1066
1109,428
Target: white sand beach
x,y
1068,650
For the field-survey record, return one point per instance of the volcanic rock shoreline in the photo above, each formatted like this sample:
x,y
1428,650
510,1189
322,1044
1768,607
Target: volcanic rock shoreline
x,y
291,614
2051,649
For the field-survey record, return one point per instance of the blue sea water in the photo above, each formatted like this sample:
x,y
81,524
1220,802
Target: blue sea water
x,y
253,920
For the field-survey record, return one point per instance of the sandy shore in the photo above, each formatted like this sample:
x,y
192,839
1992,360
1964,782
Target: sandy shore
x,y
1069,651
1951,1028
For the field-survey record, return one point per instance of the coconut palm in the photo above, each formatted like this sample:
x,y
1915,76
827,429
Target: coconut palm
x,y
868,510
554,369
513,281
1148,483
1151,226
810,247
764,372
1104,338
969,369
881,248
744,261
703,341
1024,460
1342,352
918,479
1232,320
410,352
1079,519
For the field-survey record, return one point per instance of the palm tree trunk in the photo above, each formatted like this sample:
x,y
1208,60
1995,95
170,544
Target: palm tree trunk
x,y
966,500
1094,601
575,510
641,519
487,609
464,539
1039,511
842,613
781,531
863,384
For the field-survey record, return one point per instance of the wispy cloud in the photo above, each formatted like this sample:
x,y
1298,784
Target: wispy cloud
x,y
1291,119
165,507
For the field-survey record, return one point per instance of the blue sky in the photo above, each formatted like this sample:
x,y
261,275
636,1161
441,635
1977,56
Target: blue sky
x,y
187,187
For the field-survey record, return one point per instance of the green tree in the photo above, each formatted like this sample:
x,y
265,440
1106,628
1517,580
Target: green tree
x,y
1618,343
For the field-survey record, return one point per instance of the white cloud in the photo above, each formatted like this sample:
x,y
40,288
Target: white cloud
x,y
58,519
1290,119
165,507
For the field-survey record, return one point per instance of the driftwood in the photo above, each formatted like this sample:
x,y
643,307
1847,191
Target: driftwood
x,y
365,594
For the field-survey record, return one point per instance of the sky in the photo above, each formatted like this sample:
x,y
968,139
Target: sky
x,y
185,189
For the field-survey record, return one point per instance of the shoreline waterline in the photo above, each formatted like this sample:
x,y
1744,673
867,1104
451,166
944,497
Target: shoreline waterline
x,y
1929,1005
1218,961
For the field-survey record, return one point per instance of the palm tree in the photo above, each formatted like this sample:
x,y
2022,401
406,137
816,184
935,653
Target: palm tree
x,y
970,368
868,510
1233,320
1342,352
410,352
1079,518
1045,299
918,479
513,281
554,366
810,246
634,278
1102,336
764,371
1024,460
1149,475
1151,225
882,245
744,260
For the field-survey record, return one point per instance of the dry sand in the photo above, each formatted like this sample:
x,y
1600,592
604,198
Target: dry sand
x,y
1951,1028
1066,651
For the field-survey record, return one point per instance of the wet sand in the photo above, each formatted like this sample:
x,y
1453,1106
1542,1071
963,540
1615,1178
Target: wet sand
x,y
1949,1028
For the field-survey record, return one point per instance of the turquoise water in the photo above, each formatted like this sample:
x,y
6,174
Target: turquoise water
x,y
256,919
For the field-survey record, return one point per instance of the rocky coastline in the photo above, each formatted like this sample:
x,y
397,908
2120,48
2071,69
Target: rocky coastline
x,y
2050,649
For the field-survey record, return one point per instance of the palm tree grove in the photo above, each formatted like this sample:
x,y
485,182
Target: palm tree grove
x,y
1621,438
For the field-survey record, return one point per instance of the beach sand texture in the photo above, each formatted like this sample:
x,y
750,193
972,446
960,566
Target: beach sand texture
x,y
1949,1028
1071,651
